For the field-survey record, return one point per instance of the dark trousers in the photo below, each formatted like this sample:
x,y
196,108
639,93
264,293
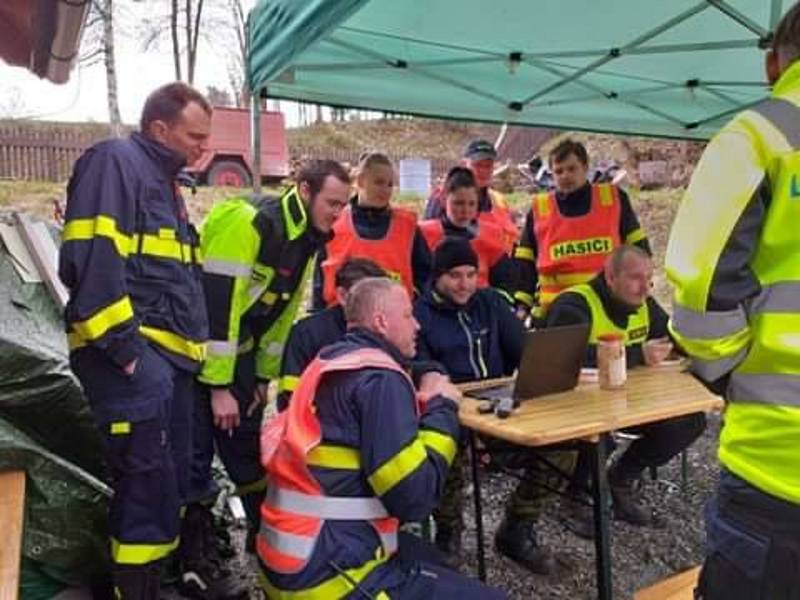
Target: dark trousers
x,y
238,451
753,545
428,578
658,443
145,421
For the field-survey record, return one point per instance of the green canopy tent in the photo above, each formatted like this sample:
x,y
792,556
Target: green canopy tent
x,y
673,69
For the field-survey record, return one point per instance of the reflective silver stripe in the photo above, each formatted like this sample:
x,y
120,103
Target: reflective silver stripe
x,y
777,298
389,541
274,349
708,325
784,115
783,390
325,507
711,370
218,266
299,546
218,348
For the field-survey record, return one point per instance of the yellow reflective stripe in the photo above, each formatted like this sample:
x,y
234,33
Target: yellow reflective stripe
x,y
140,554
637,235
338,586
440,443
334,457
524,297
606,194
397,468
100,226
104,319
524,253
164,247
288,383
712,348
175,343
121,428
259,485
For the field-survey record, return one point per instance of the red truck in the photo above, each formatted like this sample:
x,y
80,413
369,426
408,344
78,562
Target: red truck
x,y
228,160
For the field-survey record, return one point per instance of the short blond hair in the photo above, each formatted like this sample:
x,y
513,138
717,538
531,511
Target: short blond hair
x,y
366,298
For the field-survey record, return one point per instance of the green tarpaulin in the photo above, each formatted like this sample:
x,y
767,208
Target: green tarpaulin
x,y
677,68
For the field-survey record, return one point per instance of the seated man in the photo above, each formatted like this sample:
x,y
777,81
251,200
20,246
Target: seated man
x,y
617,301
474,334
312,333
357,451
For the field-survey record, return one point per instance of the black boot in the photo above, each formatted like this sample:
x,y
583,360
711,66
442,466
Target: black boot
x,y
626,506
516,539
140,582
448,541
201,576
576,515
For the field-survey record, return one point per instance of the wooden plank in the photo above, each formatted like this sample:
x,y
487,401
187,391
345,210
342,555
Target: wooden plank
x,y
45,255
677,587
649,395
12,513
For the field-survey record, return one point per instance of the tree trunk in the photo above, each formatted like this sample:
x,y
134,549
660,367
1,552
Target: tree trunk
x,y
176,47
114,119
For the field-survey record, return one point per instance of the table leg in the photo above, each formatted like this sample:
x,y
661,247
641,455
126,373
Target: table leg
x,y
476,491
601,508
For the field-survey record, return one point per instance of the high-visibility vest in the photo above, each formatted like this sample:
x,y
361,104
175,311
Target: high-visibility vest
x,y
295,507
500,216
392,253
487,244
638,323
757,342
572,250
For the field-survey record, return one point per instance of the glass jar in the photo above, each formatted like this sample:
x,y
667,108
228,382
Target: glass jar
x,y
611,364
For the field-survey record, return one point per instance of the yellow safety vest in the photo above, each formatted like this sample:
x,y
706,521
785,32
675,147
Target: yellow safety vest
x,y
757,343
638,323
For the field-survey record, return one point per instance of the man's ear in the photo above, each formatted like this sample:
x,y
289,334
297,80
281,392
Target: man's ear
x,y
381,323
772,66
304,190
157,130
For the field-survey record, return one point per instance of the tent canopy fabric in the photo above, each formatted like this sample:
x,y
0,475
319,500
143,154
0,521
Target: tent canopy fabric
x,y
672,69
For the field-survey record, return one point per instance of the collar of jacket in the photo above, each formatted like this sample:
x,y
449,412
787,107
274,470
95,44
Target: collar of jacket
x,y
581,194
296,219
788,81
451,228
364,338
616,310
170,162
371,213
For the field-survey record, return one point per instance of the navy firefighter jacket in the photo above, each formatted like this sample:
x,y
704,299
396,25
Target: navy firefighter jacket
x,y
130,256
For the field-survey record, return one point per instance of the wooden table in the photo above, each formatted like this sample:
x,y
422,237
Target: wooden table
x,y
587,414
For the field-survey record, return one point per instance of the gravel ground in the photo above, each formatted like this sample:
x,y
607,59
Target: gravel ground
x,y
640,556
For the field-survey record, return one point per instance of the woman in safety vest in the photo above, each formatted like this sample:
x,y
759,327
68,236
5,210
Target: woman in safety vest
x,y
370,228
460,219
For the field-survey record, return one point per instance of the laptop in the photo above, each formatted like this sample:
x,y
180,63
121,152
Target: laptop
x,y
551,363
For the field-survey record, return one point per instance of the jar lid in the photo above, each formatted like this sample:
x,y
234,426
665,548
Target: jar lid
x,y
611,337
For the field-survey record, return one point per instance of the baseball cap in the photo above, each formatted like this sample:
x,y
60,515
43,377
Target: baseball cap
x,y
480,150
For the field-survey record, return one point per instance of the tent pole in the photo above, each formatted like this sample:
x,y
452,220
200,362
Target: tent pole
x,y
255,139
775,14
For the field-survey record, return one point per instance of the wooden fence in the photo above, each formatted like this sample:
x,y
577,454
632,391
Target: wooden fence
x,y
38,153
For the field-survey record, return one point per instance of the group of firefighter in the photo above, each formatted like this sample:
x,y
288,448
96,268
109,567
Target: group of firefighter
x,y
176,334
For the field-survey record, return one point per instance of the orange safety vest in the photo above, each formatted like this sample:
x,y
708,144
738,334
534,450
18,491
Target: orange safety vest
x,y
572,250
488,245
500,216
295,507
392,253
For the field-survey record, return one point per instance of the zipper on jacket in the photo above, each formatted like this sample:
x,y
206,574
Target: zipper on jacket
x,y
470,341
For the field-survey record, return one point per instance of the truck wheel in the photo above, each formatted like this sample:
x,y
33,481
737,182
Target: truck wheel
x,y
228,173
